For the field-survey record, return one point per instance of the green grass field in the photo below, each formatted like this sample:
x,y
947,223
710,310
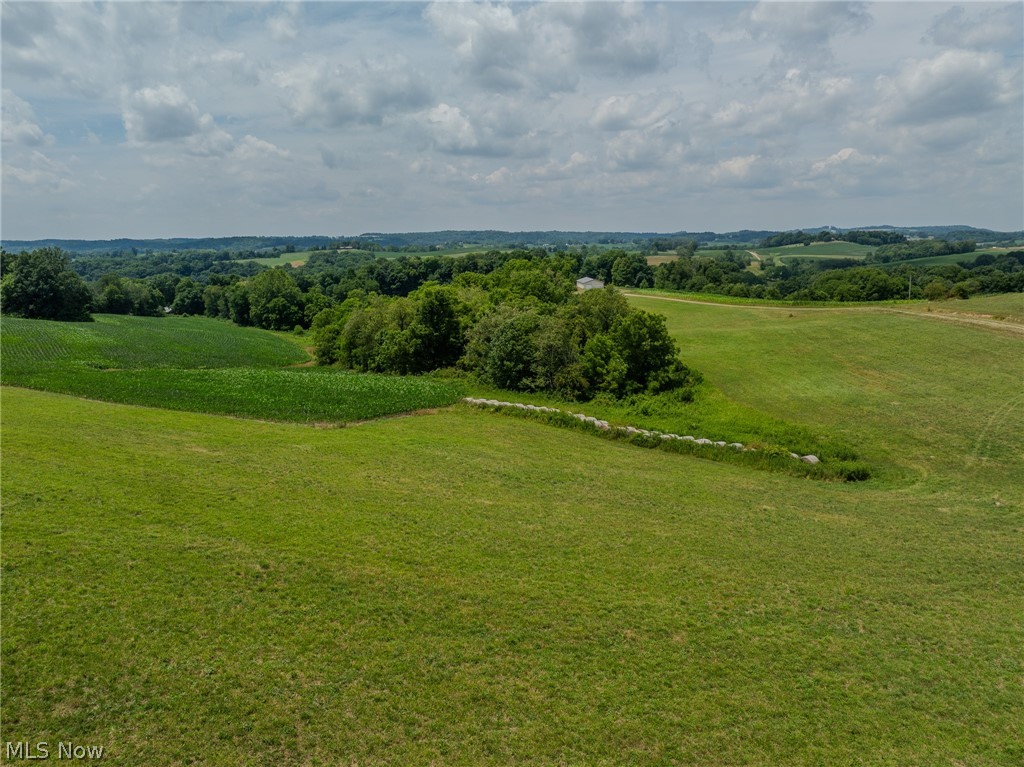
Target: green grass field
x,y
1007,306
201,365
467,588
299,257
818,250
118,341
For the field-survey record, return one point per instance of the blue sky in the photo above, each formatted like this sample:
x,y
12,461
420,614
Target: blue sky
x,y
207,119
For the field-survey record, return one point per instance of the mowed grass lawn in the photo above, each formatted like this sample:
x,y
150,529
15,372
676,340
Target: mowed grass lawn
x,y
466,588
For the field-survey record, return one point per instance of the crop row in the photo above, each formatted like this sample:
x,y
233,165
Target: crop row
x,y
139,342
297,394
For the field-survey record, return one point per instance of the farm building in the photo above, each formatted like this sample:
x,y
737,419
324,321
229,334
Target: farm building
x,y
588,283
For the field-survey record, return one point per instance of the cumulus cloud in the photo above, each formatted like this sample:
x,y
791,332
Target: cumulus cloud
x,y
803,32
451,129
544,47
786,105
843,161
333,95
634,110
498,47
39,173
239,68
982,27
749,171
623,39
498,131
521,112
662,146
19,122
165,113
954,83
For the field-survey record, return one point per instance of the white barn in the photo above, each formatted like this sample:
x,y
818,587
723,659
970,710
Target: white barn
x,y
588,283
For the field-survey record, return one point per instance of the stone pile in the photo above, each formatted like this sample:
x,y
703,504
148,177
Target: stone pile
x,y
628,430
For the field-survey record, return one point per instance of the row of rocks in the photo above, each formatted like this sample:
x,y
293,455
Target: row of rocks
x,y
630,430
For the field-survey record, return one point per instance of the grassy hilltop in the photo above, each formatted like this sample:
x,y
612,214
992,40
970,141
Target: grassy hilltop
x,y
464,588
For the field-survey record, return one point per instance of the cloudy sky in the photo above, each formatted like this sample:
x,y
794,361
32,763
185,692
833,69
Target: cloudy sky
x,y
208,119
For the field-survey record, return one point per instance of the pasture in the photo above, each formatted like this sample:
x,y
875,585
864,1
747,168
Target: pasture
x,y
299,257
949,258
837,249
1006,306
466,588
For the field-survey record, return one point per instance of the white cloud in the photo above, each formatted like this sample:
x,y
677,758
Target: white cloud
x,y
166,114
844,162
803,31
241,70
19,122
163,113
348,117
750,171
39,173
317,91
954,83
252,148
787,105
451,130
980,27
544,47
634,110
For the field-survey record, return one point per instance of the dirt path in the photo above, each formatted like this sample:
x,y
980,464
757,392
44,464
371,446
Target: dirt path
x,y
745,306
964,319
754,254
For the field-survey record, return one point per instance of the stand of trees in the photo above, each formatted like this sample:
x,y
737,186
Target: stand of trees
x,y
522,327
40,284
920,249
861,237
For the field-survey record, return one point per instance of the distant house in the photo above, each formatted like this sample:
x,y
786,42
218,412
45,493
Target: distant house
x,y
588,283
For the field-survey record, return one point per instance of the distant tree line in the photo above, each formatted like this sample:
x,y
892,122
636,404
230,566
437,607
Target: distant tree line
x,y
842,279
861,237
44,283
905,251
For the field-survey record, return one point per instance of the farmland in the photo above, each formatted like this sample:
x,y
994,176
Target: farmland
x,y
198,364
285,258
117,341
466,588
816,251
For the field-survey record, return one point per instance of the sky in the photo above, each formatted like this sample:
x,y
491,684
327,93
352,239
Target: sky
x,y
194,119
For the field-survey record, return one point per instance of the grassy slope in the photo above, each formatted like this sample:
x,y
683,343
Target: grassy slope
x,y
1004,306
481,590
927,396
468,588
